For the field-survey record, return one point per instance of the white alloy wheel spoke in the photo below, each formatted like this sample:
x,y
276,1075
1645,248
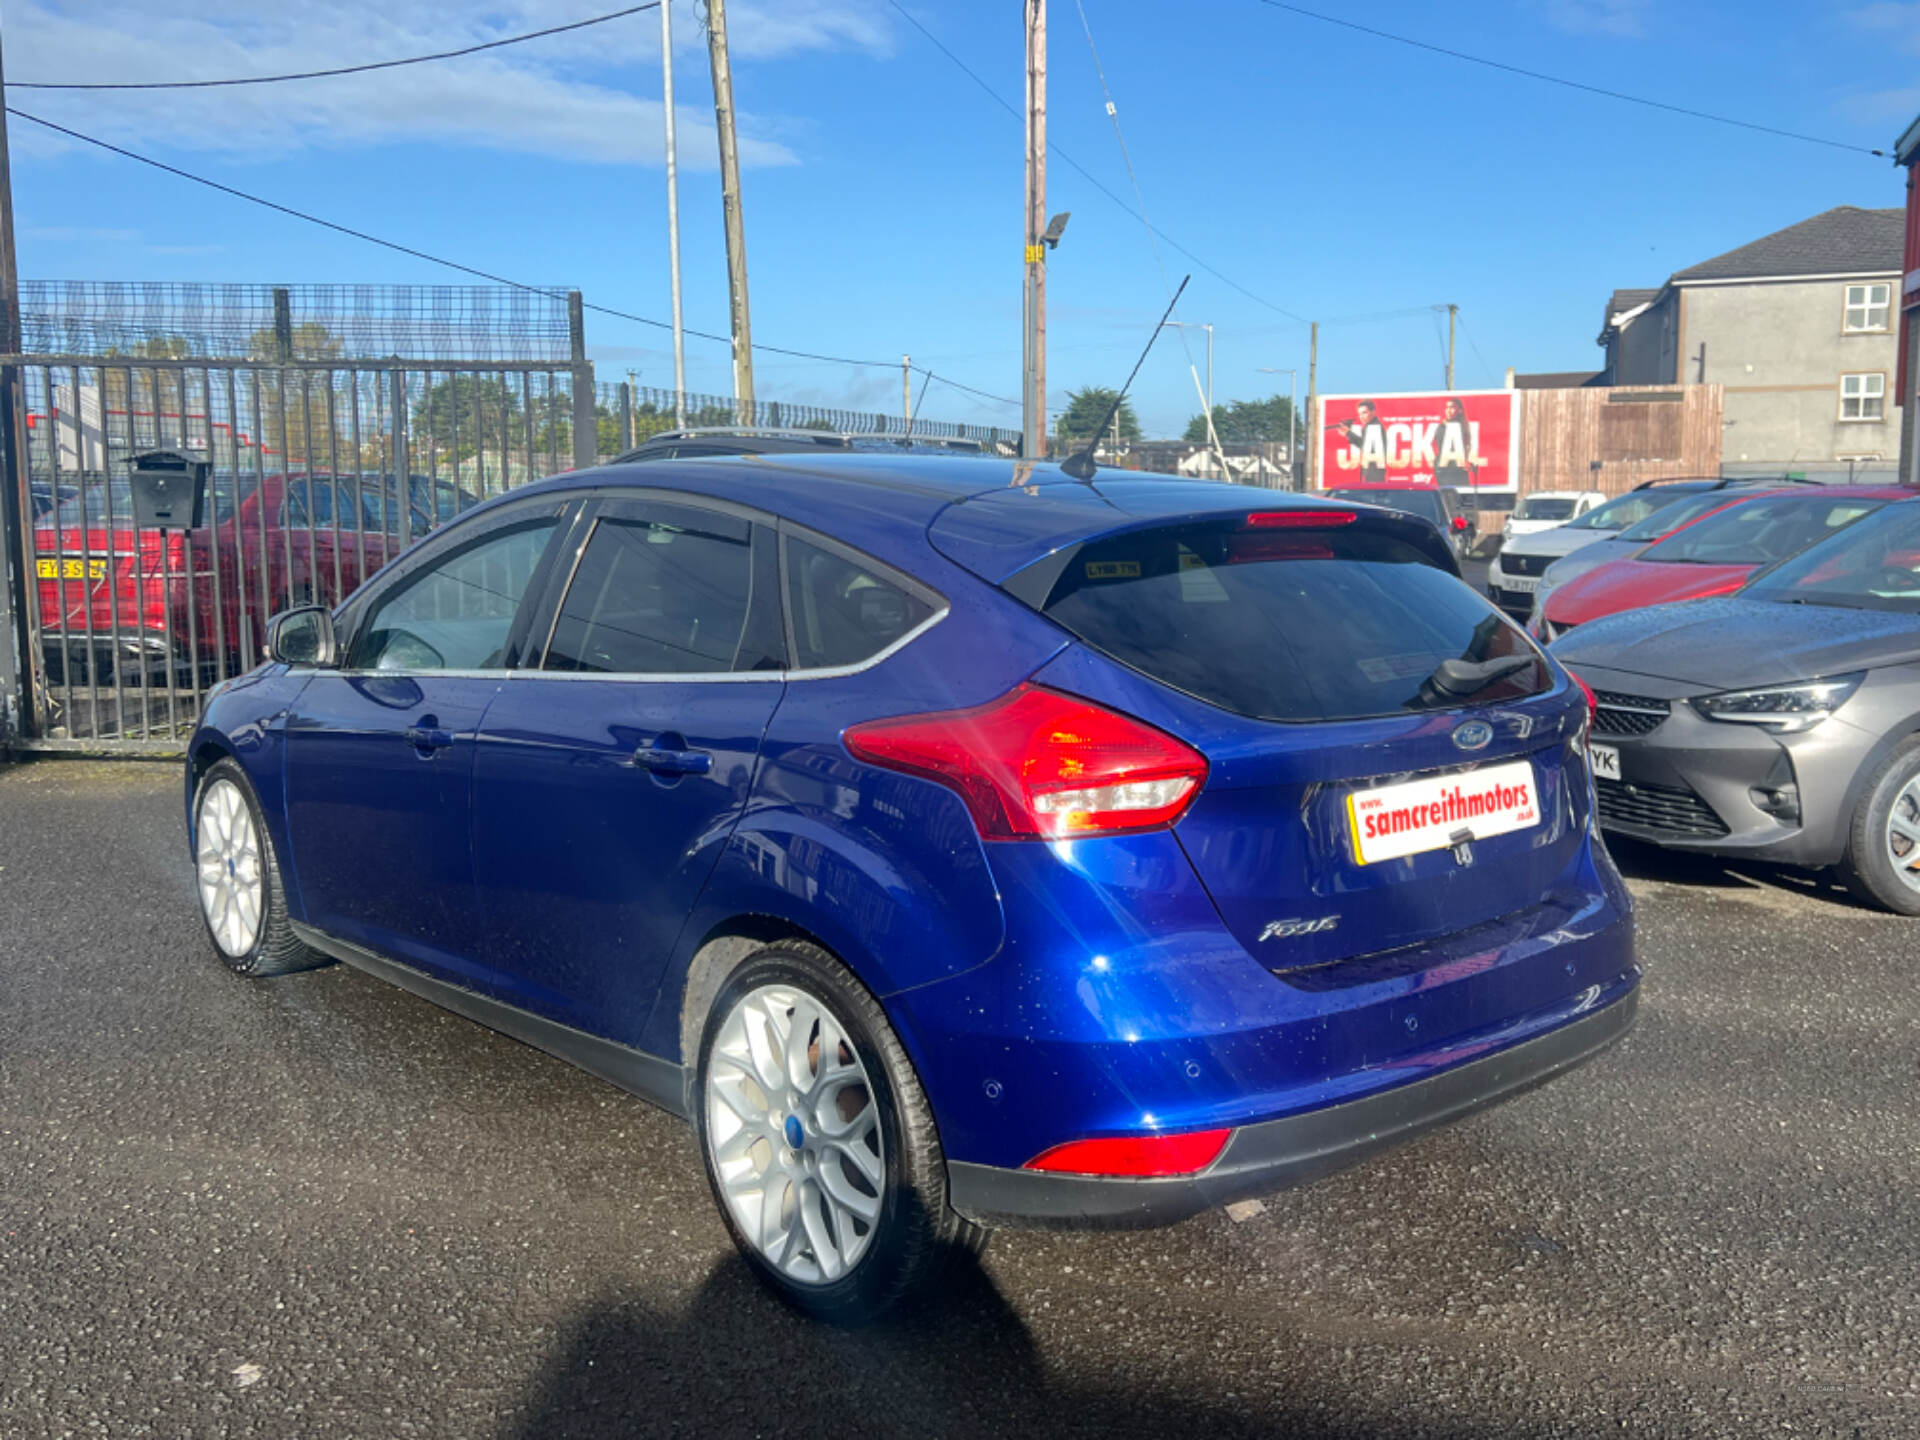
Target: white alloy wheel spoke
x,y
845,1195
854,1147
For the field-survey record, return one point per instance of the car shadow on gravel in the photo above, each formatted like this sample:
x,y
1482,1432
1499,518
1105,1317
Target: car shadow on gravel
x,y
1639,860
737,1362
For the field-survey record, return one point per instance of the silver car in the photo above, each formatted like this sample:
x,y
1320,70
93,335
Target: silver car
x,y
1780,723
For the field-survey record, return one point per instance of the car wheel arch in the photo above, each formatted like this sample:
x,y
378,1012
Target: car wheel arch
x,y
722,951
1869,765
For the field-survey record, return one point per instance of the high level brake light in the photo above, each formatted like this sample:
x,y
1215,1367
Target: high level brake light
x,y
1300,519
1036,764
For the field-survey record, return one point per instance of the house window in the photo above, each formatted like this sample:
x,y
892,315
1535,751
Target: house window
x,y
1863,397
1867,308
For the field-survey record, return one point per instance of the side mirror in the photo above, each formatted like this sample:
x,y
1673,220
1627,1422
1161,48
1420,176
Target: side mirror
x,y
302,636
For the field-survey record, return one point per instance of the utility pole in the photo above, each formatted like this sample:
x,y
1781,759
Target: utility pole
x,y
1313,414
673,217
906,390
1453,313
16,674
1033,391
730,200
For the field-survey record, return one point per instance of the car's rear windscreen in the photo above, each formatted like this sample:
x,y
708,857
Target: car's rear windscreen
x,y
1295,624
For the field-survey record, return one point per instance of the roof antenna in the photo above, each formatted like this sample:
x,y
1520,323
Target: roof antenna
x,y
1081,466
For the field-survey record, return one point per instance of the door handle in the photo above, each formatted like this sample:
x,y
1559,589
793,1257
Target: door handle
x,y
673,762
428,737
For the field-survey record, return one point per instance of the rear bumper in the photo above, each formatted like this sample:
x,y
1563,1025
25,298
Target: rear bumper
x,y
1278,1154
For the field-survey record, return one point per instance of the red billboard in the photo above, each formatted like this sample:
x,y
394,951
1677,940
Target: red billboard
x,y
1468,439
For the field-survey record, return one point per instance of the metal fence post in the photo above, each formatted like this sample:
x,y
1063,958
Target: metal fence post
x,y
16,638
626,416
403,469
282,324
586,428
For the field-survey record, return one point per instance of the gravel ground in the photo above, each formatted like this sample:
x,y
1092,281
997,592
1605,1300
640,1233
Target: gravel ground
x,y
318,1206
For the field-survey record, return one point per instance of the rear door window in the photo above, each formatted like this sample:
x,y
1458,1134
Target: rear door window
x,y
1294,625
659,591
844,612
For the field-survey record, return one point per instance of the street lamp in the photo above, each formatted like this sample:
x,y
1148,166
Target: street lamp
x,y
1293,460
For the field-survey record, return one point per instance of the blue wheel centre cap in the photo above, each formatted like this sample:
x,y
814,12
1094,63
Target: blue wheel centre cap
x,y
796,1136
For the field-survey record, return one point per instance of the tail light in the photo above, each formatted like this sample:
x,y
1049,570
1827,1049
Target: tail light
x,y
1036,764
1135,1156
1460,522
1593,705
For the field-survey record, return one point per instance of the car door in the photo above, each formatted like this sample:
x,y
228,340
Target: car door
x,y
379,767
614,766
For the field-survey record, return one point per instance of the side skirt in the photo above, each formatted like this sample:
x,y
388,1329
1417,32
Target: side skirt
x,y
635,1071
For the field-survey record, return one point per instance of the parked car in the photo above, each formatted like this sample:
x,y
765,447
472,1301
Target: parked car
x,y
1635,538
954,852
1781,723
144,604
1438,505
1545,509
1516,570
1712,556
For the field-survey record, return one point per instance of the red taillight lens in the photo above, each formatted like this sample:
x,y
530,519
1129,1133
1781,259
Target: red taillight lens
x,y
1593,705
1459,522
1300,519
1135,1155
1036,764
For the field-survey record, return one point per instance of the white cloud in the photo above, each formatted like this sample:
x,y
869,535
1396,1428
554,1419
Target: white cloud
x,y
1902,21
1882,107
587,95
1624,19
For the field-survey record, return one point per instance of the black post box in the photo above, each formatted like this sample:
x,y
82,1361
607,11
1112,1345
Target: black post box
x,y
169,490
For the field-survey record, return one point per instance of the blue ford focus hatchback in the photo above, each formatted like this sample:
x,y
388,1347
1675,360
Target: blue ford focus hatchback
x,y
957,844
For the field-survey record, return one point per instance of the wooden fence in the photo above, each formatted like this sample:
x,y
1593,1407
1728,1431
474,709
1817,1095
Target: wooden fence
x,y
1612,439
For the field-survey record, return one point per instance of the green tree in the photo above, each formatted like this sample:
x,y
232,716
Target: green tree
x,y
1086,408
1249,422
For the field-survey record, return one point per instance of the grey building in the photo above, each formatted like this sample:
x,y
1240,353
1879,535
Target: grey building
x,y
1798,327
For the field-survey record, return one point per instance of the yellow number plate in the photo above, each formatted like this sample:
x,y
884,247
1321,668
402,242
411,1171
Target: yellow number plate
x,y
62,569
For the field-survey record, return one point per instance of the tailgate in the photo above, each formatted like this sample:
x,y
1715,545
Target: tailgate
x,y
1315,852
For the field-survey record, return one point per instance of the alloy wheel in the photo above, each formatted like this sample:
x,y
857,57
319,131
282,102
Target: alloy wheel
x,y
1903,834
794,1133
232,878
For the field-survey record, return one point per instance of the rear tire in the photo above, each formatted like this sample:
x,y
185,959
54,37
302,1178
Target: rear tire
x,y
853,1220
237,874
1883,844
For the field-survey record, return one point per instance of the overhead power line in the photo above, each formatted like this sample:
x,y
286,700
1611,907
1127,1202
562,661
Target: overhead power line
x,y
1564,81
1087,174
441,260
327,74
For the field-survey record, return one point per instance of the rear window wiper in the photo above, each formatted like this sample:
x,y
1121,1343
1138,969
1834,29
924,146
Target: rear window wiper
x,y
1461,678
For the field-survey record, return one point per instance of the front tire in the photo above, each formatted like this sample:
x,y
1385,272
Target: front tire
x,y
1882,863
819,1142
237,875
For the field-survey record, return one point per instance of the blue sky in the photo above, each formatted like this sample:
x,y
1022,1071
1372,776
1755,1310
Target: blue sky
x,y
1330,173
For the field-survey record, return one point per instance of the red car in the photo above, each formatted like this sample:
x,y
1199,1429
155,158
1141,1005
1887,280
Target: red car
x,y
1713,555
144,604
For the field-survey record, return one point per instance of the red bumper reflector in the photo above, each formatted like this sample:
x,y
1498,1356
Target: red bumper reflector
x,y
1300,519
1135,1156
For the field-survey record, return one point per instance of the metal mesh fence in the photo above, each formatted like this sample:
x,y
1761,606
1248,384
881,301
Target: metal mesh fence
x,y
630,414
179,320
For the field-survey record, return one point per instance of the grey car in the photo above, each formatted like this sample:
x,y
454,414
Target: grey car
x,y
1782,722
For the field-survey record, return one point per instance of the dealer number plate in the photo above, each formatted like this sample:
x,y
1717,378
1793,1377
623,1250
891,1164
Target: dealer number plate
x,y
1418,815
